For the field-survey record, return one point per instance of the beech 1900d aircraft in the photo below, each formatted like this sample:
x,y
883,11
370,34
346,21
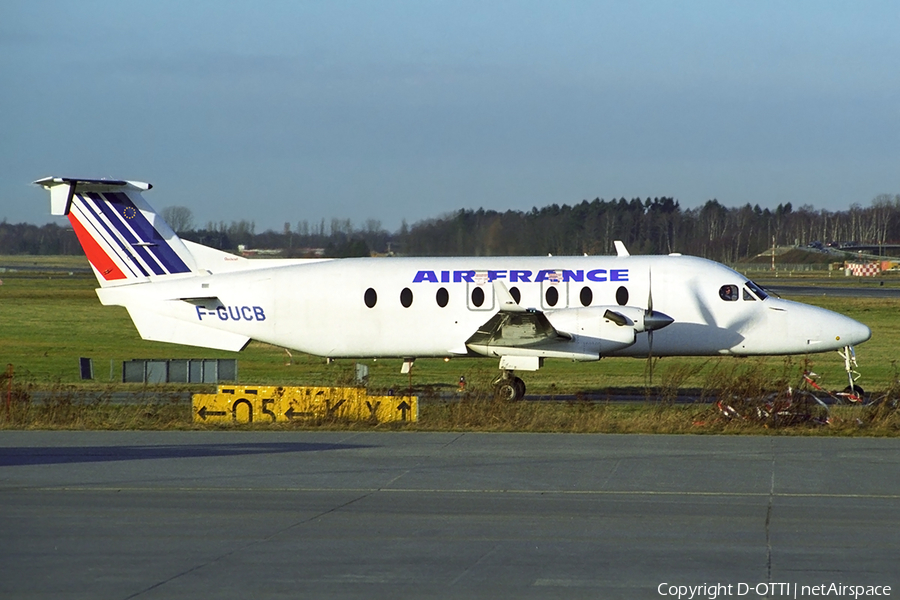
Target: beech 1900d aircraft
x,y
520,310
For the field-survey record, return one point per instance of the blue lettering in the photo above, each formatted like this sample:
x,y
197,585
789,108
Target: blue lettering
x,y
200,313
512,275
425,276
520,276
597,275
235,313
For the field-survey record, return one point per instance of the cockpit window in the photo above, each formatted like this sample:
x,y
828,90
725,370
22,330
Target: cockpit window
x,y
760,293
748,295
728,293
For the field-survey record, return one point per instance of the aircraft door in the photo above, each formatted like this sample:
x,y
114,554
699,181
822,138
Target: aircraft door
x,y
479,292
554,291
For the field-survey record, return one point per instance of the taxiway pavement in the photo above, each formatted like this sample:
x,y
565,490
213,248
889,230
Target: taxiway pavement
x,y
439,515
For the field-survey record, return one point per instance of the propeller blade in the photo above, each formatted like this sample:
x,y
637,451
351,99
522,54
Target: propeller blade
x,y
654,320
650,321
705,312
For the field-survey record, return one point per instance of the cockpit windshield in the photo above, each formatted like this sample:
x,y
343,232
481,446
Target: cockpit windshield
x,y
760,293
750,292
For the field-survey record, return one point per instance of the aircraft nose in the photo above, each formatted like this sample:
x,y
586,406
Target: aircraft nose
x,y
854,333
823,329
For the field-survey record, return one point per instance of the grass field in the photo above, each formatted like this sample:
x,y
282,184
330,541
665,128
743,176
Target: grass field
x,y
28,261
62,406
50,320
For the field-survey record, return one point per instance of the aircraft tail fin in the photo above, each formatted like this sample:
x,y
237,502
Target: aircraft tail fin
x,y
125,240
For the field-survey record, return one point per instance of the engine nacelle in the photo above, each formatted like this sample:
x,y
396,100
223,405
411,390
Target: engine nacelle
x,y
641,319
602,328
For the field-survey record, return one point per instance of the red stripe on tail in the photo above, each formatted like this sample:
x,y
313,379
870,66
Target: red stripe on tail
x,y
99,259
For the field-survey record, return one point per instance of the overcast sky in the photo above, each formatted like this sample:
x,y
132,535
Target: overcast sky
x,y
287,111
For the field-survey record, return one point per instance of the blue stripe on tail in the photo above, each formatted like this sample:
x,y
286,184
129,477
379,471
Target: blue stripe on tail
x,y
135,229
91,205
128,246
148,234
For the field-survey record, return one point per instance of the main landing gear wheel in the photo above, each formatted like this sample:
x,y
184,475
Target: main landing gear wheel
x,y
509,389
520,388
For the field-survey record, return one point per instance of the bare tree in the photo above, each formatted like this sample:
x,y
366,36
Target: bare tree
x,y
179,218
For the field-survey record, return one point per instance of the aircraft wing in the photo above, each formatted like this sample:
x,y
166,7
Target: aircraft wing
x,y
514,327
524,336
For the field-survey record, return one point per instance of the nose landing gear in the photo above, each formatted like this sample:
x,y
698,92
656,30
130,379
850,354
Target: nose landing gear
x,y
508,387
854,391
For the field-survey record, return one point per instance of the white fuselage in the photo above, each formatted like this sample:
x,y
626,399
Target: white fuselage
x,y
431,307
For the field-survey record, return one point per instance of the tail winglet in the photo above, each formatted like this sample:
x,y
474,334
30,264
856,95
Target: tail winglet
x,y
125,240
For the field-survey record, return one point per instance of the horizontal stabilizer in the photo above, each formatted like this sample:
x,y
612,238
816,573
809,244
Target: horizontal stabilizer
x,y
159,328
62,189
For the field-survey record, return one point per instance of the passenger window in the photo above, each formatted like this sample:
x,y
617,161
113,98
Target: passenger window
x,y
729,293
406,297
442,297
371,298
477,297
552,296
622,296
516,294
587,296
748,295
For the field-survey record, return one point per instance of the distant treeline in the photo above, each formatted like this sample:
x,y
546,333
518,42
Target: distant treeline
x,y
651,226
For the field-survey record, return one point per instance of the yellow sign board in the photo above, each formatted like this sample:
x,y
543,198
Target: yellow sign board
x,y
278,404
